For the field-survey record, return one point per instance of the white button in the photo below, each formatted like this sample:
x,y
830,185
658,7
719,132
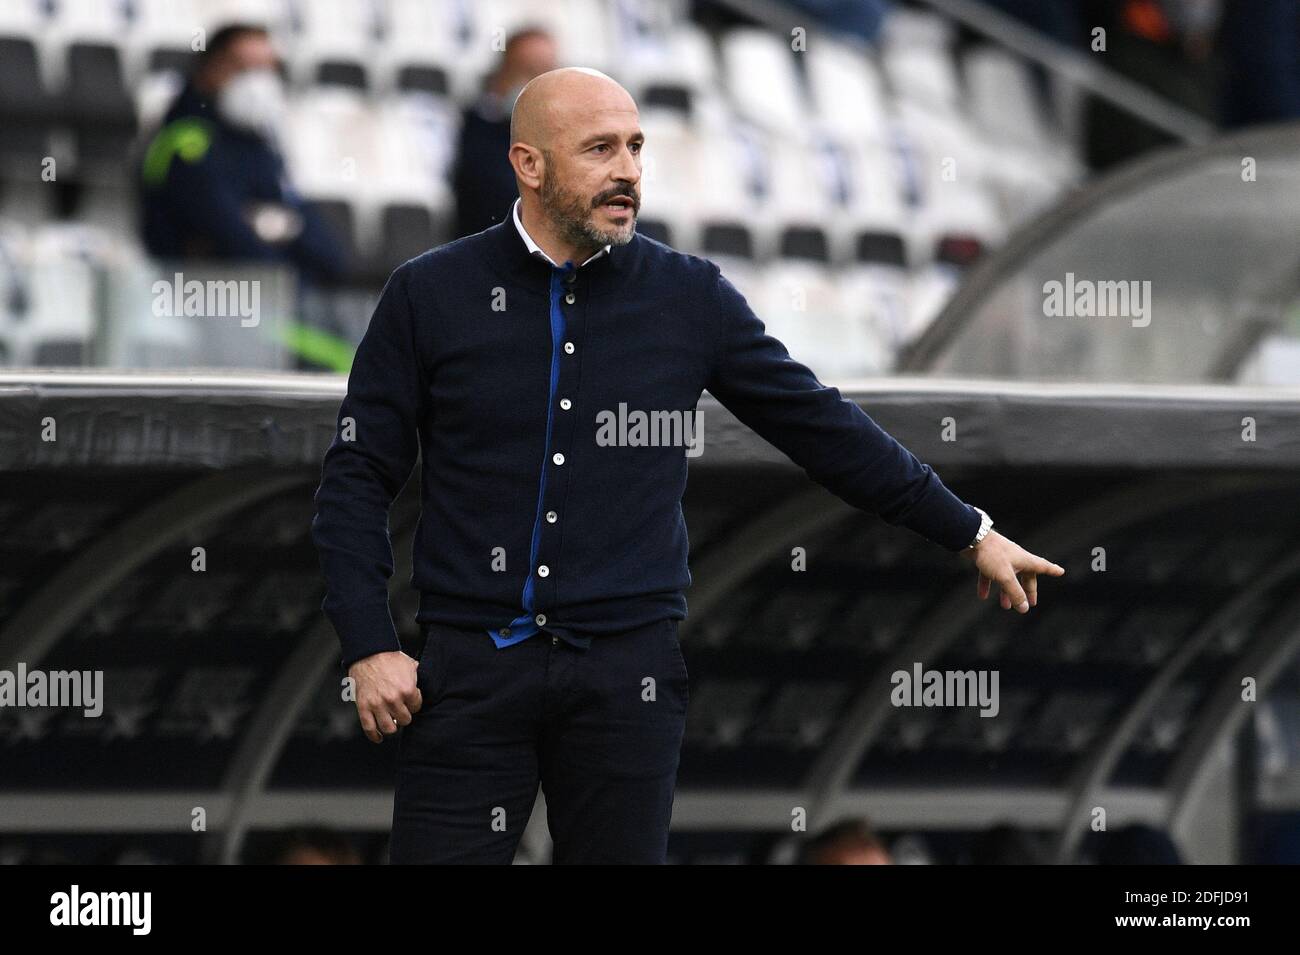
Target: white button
x,y
543,571
566,404
540,619
568,348
558,458
570,299
552,517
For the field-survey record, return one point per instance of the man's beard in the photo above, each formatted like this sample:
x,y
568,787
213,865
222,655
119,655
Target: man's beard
x,y
573,217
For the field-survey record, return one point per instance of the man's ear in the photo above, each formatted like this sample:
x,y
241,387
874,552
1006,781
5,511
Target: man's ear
x,y
528,163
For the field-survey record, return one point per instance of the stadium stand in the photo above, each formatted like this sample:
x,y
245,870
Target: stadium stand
x,y
904,178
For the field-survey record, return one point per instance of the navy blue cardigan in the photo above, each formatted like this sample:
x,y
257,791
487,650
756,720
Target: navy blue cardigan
x,y
491,367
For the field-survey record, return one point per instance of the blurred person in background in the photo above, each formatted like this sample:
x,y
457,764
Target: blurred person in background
x,y
1260,42
1166,45
851,842
213,182
861,18
1137,844
483,179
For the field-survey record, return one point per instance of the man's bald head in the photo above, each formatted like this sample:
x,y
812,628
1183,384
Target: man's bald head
x,y
557,100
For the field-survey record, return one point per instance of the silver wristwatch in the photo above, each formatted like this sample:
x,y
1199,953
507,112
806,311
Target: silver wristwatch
x,y
986,523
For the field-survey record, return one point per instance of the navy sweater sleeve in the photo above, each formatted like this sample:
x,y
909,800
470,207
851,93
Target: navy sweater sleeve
x,y
830,437
367,464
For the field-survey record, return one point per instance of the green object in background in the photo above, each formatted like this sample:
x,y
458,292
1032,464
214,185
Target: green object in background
x,y
317,345
187,138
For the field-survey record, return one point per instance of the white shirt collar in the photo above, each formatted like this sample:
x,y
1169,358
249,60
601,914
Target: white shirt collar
x,y
536,249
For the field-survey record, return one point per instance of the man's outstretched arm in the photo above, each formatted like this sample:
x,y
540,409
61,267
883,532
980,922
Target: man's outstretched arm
x,y
370,459
844,450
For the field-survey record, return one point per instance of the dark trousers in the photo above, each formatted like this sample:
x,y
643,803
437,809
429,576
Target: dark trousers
x,y
600,729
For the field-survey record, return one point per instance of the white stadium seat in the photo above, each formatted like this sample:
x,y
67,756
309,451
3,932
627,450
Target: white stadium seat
x,y
800,304
759,71
1002,100
848,92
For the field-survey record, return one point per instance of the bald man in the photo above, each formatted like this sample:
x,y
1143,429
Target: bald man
x,y
548,368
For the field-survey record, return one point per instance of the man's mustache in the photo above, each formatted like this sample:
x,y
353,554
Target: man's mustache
x,y
618,194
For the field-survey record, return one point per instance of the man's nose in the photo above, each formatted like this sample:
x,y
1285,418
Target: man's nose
x,y
628,170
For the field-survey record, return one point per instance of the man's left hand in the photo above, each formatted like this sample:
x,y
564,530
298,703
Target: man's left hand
x,y
1014,568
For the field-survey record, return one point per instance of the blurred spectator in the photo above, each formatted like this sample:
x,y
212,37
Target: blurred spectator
x,y
1260,42
1058,19
311,845
1006,845
213,182
862,18
1162,44
483,179
1137,844
852,842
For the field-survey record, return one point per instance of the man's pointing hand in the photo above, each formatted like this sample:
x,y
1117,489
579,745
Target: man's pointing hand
x,y
1014,568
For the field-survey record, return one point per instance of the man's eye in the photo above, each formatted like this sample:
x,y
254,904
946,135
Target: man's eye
x,y
636,147
600,146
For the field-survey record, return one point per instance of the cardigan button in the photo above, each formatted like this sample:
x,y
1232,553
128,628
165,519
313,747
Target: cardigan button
x,y
558,458
552,517
503,632
568,348
566,404
570,277
570,299
540,620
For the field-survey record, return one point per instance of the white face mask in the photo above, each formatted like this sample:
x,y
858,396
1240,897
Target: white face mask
x,y
253,100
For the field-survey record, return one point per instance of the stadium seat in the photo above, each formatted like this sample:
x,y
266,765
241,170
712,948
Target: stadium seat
x,y
848,93
670,174
405,232
29,112
99,107
916,54
432,35
674,68
1003,102
334,43
733,191
800,304
162,37
875,295
422,78
341,216
581,29
759,72
56,325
